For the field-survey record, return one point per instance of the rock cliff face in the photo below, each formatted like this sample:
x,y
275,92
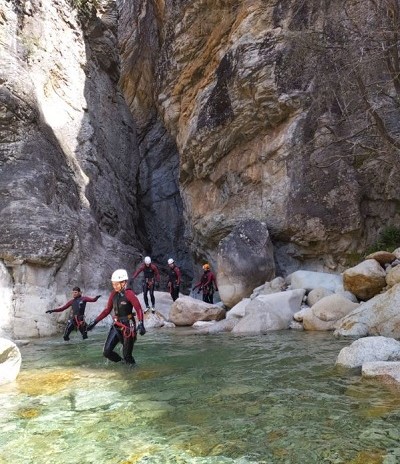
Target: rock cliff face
x,y
68,161
271,119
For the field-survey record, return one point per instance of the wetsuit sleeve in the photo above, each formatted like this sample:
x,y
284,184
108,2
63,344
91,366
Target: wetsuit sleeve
x,y
107,310
89,299
215,282
63,308
178,275
132,298
156,272
138,271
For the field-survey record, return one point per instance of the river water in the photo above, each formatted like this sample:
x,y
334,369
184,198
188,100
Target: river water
x,y
196,399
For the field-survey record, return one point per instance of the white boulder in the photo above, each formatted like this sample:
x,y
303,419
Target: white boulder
x,y
10,361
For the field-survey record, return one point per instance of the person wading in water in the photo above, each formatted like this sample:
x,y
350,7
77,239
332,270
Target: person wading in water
x,y
125,305
76,318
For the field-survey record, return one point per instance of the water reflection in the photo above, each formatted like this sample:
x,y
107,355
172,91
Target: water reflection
x,y
196,399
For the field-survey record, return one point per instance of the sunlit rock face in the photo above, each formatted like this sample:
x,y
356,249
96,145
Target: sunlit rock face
x,y
68,160
224,80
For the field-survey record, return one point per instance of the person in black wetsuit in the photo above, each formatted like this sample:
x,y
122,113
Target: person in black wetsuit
x,y
151,280
174,279
207,284
125,305
76,318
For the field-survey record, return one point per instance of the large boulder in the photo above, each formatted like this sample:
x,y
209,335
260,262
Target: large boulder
x,y
383,257
365,280
312,322
270,312
162,306
368,349
333,307
239,310
310,280
327,312
10,361
378,316
393,276
186,311
317,294
245,261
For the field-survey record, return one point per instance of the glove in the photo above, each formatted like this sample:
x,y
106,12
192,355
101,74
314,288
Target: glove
x,y
98,296
49,311
199,290
91,326
141,328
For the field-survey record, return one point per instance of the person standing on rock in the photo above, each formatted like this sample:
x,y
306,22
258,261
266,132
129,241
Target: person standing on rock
x,y
76,319
151,279
207,284
174,279
123,301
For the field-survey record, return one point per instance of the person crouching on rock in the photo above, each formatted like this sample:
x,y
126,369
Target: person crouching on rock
x,y
76,318
125,305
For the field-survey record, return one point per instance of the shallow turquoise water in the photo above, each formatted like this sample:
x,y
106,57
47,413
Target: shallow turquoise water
x,y
196,399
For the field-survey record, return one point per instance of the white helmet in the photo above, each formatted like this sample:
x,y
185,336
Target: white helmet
x,y
170,261
147,260
119,275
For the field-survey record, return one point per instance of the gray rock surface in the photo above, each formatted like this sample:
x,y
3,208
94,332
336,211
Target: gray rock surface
x,y
378,316
245,259
186,311
270,312
68,159
368,349
10,361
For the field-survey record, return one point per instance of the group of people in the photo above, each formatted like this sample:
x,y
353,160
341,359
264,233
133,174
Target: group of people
x,y
125,306
151,280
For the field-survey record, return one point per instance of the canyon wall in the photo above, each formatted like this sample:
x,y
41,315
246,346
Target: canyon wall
x,y
68,161
277,116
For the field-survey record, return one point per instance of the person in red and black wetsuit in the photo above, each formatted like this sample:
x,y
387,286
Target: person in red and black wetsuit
x,y
125,305
207,284
76,318
174,279
151,279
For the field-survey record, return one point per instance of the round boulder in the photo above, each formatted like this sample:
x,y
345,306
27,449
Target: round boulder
x,y
245,261
10,361
365,280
